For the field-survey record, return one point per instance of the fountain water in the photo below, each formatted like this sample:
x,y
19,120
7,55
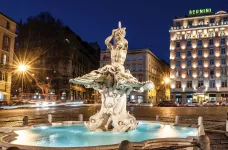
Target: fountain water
x,y
114,83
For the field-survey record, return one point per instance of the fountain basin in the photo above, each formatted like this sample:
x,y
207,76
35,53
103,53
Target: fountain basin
x,y
77,135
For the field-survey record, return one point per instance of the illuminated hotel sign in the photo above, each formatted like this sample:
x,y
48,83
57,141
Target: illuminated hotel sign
x,y
200,11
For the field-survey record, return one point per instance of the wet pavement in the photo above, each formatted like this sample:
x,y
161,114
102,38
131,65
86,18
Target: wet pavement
x,y
214,117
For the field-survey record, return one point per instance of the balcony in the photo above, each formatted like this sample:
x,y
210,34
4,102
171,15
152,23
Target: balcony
x,y
199,26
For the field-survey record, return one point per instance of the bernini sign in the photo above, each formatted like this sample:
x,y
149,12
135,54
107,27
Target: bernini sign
x,y
200,11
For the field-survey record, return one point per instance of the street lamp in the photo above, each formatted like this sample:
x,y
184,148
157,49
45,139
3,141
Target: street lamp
x,y
22,68
167,80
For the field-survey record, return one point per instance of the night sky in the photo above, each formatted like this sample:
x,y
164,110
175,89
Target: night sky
x,y
147,21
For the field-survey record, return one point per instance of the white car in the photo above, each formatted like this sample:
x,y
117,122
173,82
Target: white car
x,y
225,103
211,103
192,104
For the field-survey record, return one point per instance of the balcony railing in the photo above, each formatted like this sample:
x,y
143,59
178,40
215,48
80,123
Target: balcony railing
x,y
199,25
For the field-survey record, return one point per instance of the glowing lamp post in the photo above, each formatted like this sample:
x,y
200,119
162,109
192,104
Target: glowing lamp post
x,y
22,68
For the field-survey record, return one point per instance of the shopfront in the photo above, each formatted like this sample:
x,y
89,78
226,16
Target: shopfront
x,y
189,97
178,98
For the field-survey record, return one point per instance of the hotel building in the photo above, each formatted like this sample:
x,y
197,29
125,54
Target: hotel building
x,y
198,56
7,38
144,65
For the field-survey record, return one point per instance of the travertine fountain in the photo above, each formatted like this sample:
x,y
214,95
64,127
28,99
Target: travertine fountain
x,y
114,83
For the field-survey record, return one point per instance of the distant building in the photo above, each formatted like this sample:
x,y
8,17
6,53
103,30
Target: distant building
x,y
144,65
7,38
198,56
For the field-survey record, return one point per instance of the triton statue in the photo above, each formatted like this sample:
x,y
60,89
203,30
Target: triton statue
x,y
114,83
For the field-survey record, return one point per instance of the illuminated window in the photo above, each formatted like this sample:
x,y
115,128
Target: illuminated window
x,y
223,61
200,72
189,43
200,43
189,73
200,83
200,52
225,19
200,62
189,84
223,71
211,52
212,83
178,84
224,83
223,41
212,62
189,53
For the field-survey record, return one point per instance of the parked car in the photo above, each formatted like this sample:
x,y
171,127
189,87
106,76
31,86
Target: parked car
x,y
225,103
192,104
167,104
211,103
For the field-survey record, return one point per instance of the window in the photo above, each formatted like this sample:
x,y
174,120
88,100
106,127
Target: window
x,y
127,67
177,24
133,67
200,35
7,25
178,63
177,54
200,43
178,73
223,71
128,58
178,37
189,53
2,76
211,34
140,57
200,52
134,58
224,83
212,62
188,36
225,19
6,43
222,33
189,63
4,58
223,61
178,84
212,83
189,43
211,52
211,42
200,72
223,41
140,67
190,23
200,62
212,72
189,84
212,20
189,73
177,44
200,83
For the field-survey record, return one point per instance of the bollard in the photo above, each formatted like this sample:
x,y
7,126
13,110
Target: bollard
x,y
25,121
157,117
201,130
204,142
177,119
125,145
49,118
200,120
80,117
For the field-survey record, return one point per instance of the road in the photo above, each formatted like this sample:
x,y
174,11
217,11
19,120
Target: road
x,y
213,116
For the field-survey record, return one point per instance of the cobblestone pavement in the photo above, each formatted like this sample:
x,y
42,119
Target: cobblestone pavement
x,y
214,117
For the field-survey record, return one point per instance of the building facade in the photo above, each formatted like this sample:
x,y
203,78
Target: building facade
x,y
7,38
198,56
144,65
